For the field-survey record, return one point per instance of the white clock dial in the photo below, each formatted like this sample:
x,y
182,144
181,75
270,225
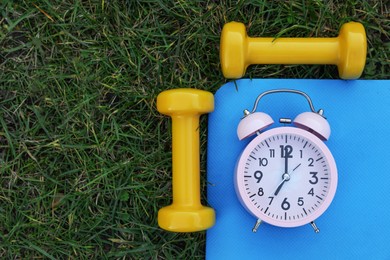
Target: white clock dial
x,y
286,177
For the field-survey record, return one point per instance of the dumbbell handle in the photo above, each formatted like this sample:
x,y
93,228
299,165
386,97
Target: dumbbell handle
x,y
293,50
185,160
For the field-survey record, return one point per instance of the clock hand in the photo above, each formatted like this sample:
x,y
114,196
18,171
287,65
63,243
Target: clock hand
x,y
286,164
286,177
296,167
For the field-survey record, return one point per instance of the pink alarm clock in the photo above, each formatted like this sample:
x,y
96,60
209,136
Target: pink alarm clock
x,y
286,176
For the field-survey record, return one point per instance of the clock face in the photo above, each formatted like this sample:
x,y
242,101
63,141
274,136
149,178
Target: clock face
x,y
286,177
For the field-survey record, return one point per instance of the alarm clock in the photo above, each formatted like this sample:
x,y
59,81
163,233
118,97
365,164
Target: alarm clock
x,y
286,176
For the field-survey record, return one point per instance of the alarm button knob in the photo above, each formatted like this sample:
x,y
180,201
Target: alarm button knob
x,y
314,123
252,123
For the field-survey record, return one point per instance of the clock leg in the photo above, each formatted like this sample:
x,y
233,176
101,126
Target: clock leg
x,y
314,226
258,222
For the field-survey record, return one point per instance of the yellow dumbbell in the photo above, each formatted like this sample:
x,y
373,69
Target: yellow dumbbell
x,y
347,51
186,213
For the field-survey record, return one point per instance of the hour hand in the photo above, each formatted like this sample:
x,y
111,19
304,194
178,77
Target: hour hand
x,y
286,177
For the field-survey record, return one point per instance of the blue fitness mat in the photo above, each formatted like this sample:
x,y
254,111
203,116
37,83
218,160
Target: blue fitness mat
x,y
357,223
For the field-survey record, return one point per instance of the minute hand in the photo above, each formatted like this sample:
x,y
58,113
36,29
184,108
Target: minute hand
x,y
286,163
286,175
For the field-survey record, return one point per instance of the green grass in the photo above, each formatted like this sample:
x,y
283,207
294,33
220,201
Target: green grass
x,y
85,158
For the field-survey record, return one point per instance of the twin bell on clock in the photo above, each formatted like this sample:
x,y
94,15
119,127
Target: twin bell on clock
x,y
286,176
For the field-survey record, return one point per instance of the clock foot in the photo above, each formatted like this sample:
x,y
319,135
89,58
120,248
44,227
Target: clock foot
x,y
314,226
258,222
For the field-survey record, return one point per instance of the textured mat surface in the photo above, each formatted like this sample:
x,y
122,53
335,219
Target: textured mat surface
x,y
357,223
